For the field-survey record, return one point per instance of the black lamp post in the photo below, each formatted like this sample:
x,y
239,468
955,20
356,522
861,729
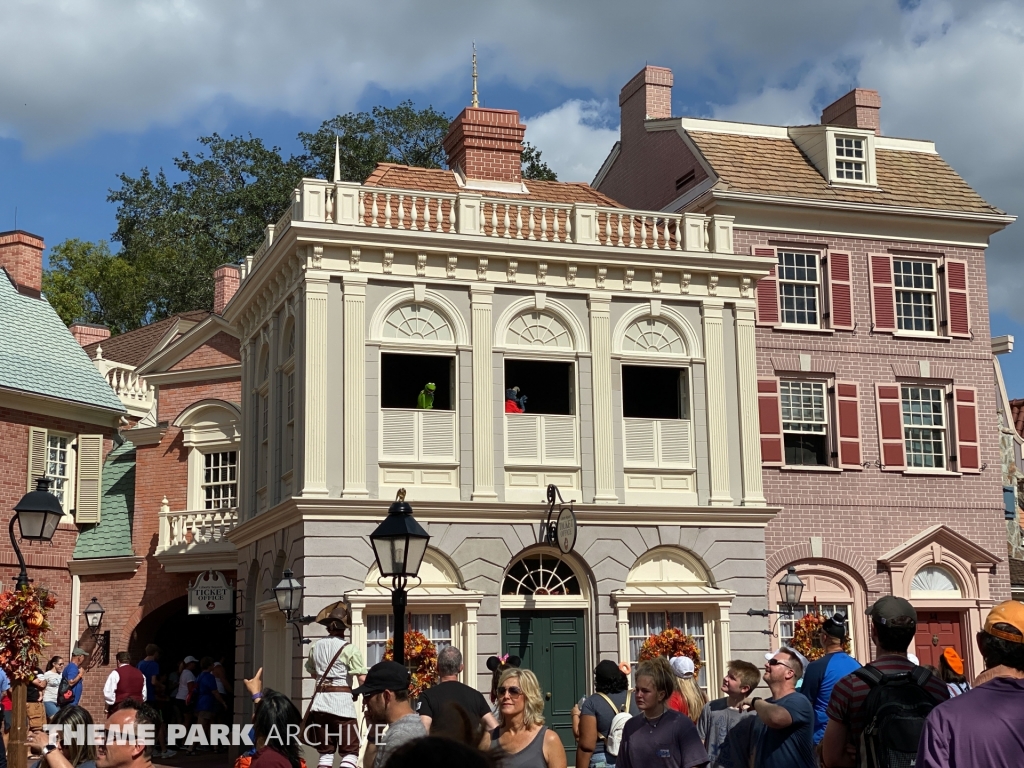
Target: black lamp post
x,y
791,588
288,594
399,544
38,514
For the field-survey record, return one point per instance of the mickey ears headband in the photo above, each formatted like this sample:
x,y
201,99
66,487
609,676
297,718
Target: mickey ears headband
x,y
494,663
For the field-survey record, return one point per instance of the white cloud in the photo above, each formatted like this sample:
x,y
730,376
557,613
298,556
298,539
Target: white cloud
x,y
574,138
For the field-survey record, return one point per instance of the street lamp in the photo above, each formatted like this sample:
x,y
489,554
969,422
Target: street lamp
x,y
791,588
38,514
399,544
288,594
94,617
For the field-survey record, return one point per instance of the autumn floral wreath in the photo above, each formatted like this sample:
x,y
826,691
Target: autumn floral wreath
x,y
420,658
805,636
22,625
671,643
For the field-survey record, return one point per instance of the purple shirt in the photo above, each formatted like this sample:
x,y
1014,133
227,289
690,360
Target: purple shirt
x,y
983,727
671,741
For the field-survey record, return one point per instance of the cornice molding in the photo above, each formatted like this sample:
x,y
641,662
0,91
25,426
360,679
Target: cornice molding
x,y
31,402
100,566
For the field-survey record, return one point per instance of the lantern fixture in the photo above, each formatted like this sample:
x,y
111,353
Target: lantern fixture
x,y
94,616
791,587
288,594
38,515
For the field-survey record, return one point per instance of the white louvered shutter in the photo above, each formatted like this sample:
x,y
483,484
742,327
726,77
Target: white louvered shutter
x,y
559,438
523,438
438,436
674,443
640,442
36,456
89,478
398,438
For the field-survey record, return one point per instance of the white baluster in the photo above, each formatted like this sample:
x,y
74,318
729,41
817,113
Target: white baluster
x,y
568,226
532,236
387,210
519,222
401,211
412,225
607,229
618,218
680,246
643,231
374,213
506,221
426,215
329,206
362,208
543,223
451,215
494,219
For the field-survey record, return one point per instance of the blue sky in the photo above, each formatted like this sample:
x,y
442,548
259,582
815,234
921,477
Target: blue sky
x,y
98,87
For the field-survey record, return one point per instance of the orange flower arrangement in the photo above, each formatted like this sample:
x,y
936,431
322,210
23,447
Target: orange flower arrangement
x,y
22,625
805,637
420,658
671,643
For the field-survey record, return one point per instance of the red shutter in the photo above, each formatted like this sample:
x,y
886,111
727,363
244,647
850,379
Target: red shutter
x,y
769,411
848,424
883,297
767,289
890,427
967,448
958,321
840,292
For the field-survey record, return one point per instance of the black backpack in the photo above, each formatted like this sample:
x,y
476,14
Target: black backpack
x,y
894,713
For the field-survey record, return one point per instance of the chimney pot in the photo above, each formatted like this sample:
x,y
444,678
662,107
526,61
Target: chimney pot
x,y
860,108
226,279
486,144
21,254
89,333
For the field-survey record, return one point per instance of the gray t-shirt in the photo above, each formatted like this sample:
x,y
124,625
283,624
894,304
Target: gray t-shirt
x,y
403,730
597,707
716,720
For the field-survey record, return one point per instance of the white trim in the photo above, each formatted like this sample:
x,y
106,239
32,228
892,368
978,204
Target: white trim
x,y
690,337
99,566
33,402
223,557
547,602
408,296
76,607
606,166
552,306
196,374
174,350
702,125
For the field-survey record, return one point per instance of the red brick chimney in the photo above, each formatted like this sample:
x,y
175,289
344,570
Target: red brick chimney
x,y
648,96
89,333
226,279
486,144
859,108
21,254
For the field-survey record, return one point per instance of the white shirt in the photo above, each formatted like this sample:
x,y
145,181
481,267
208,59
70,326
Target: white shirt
x,y
110,687
186,677
52,685
349,662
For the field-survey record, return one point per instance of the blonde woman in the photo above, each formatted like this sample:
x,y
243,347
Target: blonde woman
x,y
522,739
688,699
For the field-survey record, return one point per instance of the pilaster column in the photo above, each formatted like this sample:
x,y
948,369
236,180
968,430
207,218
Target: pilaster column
x,y
718,438
355,386
314,427
622,631
482,300
246,470
469,663
750,438
601,367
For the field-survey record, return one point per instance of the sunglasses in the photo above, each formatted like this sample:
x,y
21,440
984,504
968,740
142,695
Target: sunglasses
x,y
777,663
513,690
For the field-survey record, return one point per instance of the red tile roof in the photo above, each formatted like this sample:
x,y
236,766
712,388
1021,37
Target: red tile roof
x,y
135,346
1017,411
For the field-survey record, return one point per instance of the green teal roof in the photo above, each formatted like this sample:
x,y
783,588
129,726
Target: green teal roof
x,y
112,536
38,354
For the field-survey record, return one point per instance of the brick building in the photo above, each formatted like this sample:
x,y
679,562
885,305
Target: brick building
x,y
58,418
877,407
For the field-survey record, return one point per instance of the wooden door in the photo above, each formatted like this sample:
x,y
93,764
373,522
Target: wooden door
x,y
550,644
937,631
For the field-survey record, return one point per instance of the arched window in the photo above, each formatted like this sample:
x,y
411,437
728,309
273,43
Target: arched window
x,y
933,581
653,335
538,329
539,575
417,322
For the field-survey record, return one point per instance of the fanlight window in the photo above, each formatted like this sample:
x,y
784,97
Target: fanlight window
x,y
417,321
653,335
540,575
538,329
932,580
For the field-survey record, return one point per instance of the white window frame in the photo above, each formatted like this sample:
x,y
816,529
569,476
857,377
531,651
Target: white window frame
x,y
667,612
69,502
782,280
433,634
220,437
204,484
825,609
834,155
828,428
944,429
933,292
851,158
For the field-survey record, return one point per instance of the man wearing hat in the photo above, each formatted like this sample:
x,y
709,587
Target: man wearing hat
x,y
821,676
983,726
332,714
385,693
893,626
74,673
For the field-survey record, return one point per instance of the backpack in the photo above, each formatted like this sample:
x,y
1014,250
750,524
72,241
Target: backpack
x,y
894,714
65,693
613,739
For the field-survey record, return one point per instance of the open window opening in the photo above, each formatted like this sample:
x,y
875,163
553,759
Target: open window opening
x,y
805,423
404,377
549,387
650,392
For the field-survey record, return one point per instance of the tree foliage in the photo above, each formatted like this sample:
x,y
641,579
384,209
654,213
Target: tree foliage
x,y
533,167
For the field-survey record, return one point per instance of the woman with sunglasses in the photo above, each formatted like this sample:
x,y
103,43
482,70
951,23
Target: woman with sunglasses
x,y
521,737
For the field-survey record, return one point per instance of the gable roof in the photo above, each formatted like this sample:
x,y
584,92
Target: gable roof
x,y
397,176
38,354
188,342
112,536
771,165
1017,412
135,346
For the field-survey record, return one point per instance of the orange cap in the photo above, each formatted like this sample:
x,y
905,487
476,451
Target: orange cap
x,y
1010,612
953,659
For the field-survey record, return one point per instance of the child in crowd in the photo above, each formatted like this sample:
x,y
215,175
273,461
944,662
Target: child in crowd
x,y
720,716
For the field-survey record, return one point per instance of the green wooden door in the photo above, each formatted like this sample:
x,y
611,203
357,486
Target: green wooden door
x,y
550,644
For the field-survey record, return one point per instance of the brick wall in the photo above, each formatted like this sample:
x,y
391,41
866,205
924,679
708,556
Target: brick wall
x,y
222,349
486,144
21,254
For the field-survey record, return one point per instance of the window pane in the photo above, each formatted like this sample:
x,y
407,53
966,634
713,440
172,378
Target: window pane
x,y
798,288
220,486
924,426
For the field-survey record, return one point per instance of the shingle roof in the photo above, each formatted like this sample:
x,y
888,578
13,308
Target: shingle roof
x,y
1017,412
776,166
1016,572
436,180
39,355
133,347
112,536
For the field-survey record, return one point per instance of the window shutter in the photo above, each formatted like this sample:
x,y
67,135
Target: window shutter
x,y
767,290
965,400
89,477
848,424
840,292
36,456
958,321
890,427
769,411
883,296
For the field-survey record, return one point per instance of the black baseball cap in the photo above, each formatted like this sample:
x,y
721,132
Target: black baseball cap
x,y
384,676
888,608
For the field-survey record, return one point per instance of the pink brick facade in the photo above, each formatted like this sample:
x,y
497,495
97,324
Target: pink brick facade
x,y
21,254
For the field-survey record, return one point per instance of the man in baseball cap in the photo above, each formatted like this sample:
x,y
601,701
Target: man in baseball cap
x,y
982,726
385,693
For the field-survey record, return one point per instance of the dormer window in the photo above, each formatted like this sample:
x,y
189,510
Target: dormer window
x,y
850,159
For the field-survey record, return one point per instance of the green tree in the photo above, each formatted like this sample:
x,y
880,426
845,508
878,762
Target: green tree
x,y
533,167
